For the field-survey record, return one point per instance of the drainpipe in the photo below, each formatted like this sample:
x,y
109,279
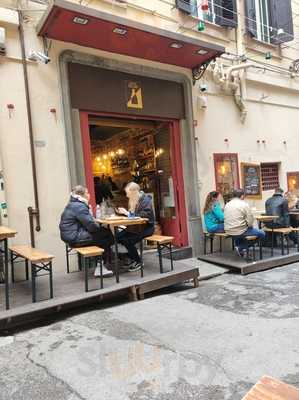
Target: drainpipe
x,y
33,212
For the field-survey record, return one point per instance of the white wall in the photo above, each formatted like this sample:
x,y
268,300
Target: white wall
x,y
221,120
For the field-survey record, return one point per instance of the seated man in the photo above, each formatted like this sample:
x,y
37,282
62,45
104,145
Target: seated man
x,y
140,205
278,205
79,228
238,221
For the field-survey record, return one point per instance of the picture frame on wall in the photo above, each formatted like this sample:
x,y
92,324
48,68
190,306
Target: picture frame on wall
x,y
251,180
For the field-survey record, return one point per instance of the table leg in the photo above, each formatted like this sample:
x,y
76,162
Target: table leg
x,y
116,254
6,274
272,243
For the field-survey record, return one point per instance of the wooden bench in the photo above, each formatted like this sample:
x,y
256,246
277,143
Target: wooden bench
x,y
87,256
211,236
269,389
162,242
68,252
284,233
39,261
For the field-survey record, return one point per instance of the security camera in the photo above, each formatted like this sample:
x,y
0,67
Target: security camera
x,y
203,87
38,56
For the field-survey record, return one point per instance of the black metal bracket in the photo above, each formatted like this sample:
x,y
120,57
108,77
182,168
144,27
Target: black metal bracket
x,y
198,72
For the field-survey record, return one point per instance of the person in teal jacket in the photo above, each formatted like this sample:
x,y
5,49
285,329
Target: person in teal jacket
x,y
213,213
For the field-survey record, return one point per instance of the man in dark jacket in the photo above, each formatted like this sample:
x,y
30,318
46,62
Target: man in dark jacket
x,y
79,228
140,205
278,205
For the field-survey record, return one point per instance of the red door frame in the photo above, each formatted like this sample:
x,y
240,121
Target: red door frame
x,y
176,164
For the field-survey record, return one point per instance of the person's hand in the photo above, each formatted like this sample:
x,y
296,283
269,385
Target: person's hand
x,y
122,211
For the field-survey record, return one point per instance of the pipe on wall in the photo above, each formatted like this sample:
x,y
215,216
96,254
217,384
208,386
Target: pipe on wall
x,y
33,212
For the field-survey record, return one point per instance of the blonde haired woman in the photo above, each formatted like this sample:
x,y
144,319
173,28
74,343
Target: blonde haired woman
x,y
139,205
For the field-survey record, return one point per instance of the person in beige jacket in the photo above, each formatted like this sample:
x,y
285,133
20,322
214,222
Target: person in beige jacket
x,y
238,221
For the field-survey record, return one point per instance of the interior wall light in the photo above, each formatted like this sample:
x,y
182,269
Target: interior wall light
x,y
202,52
176,45
120,31
80,20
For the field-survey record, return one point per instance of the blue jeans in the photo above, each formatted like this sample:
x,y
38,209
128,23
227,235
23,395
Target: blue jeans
x,y
243,244
218,229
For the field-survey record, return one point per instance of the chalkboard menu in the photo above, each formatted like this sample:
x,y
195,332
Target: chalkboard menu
x,y
251,180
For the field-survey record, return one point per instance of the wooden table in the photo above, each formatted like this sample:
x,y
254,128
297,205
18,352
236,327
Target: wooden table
x,y
5,234
116,224
267,218
270,388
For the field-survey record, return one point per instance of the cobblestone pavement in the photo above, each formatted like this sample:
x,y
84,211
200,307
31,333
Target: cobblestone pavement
x,y
209,343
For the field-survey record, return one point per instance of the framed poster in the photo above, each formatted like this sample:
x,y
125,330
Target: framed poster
x,y
251,180
226,173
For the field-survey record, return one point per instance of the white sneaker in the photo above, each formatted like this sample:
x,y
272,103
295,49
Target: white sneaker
x,y
106,272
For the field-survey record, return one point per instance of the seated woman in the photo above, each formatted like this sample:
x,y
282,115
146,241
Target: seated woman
x,y
140,205
213,213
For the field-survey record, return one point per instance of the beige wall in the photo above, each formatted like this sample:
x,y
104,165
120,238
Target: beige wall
x,y
274,119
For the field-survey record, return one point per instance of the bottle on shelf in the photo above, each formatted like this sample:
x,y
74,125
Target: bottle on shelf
x,y
98,212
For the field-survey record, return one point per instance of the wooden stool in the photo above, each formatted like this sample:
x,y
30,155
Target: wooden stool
x,y
162,242
284,233
88,254
39,261
252,240
270,388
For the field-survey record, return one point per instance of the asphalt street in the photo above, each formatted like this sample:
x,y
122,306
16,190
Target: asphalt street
x,y
209,343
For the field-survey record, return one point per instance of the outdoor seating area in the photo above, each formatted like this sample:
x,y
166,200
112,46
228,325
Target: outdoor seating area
x,y
23,264
219,248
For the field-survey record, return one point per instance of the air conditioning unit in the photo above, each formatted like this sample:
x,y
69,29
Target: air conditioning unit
x,y
2,41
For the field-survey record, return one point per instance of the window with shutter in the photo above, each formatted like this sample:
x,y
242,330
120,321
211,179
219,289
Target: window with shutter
x,y
226,13
269,21
281,21
184,5
220,12
270,176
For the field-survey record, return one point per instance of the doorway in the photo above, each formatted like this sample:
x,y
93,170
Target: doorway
x,y
118,150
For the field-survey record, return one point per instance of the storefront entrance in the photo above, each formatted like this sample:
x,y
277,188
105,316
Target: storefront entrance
x,y
118,150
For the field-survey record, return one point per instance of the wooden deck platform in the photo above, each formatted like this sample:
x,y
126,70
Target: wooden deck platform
x,y
231,260
69,291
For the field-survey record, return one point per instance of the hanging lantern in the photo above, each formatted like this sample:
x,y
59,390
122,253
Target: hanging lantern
x,y
205,5
201,26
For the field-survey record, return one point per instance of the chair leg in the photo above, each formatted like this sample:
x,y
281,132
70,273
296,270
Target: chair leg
x,y
220,244
12,267
171,257
141,250
272,243
160,258
51,279
288,244
297,234
27,270
67,258
33,282
101,267
282,244
79,262
85,266
205,244
261,248
254,249
211,244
